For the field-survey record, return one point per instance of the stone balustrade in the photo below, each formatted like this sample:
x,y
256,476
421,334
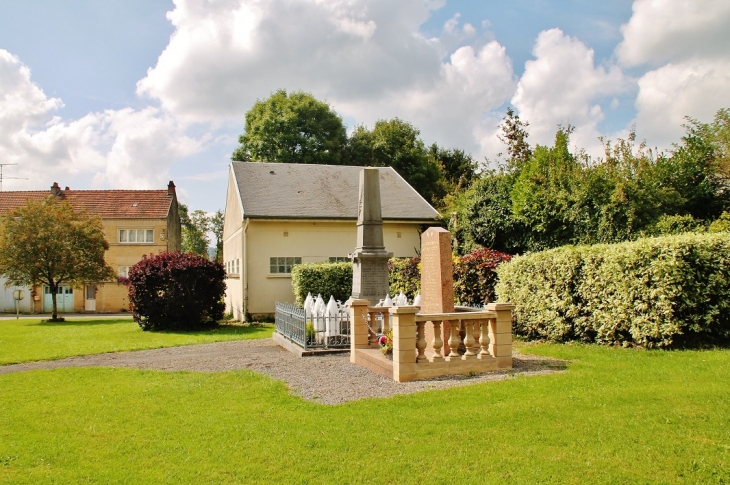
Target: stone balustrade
x,y
486,343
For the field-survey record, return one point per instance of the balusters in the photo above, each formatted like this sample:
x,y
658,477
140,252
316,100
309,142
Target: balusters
x,y
469,338
484,340
421,342
454,340
438,342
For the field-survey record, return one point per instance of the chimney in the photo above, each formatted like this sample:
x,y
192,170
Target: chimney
x,y
55,189
171,189
67,188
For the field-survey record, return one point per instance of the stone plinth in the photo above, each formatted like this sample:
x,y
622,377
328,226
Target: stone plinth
x,y
437,281
370,259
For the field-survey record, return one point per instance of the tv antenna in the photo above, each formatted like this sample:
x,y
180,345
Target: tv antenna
x,y
1,174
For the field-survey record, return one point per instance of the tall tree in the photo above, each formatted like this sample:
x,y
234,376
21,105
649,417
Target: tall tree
x,y
50,243
458,167
294,128
195,227
216,227
397,143
514,135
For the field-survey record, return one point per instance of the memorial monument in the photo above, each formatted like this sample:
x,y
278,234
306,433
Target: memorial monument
x,y
370,259
437,280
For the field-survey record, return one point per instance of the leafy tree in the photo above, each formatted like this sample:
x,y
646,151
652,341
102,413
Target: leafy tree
x,y
49,242
514,135
458,167
176,291
397,143
216,226
294,128
195,227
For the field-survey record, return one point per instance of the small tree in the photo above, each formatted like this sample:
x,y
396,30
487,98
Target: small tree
x,y
49,242
176,291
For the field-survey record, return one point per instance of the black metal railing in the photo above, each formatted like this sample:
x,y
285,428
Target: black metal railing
x,y
313,331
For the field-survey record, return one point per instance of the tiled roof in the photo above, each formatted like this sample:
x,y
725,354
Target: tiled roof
x,y
298,191
108,204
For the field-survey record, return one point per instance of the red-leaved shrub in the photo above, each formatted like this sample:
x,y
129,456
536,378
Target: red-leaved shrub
x,y
475,276
176,291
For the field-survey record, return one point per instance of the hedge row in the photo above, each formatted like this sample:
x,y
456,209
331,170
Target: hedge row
x,y
322,278
669,291
474,278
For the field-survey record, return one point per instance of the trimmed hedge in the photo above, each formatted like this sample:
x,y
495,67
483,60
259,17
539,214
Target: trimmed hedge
x,y
322,278
670,291
404,274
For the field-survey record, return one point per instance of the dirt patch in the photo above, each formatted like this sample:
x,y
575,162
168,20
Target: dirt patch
x,y
328,379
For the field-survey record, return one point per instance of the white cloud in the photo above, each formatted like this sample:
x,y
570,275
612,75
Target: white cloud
x,y
685,45
671,30
564,86
119,148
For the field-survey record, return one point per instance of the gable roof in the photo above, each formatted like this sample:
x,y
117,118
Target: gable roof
x,y
107,204
299,191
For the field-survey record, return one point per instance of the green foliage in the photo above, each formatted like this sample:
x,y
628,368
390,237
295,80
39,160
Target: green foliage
x,y
514,135
475,276
310,333
49,242
397,143
176,291
322,278
459,169
294,128
721,224
652,292
404,274
216,226
667,225
195,228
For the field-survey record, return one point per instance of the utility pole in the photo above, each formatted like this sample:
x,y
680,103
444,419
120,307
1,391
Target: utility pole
x,y
1,174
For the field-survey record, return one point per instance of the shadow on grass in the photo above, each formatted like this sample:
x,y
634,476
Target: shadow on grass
x,y
89,322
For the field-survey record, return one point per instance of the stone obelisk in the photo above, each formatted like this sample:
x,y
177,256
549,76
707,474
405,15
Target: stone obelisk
x,y
370,259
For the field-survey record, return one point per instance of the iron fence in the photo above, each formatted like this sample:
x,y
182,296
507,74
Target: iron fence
x,y
312,331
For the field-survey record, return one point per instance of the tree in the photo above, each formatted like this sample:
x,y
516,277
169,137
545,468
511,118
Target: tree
x,y
176,291
216,226
396,143
295,128
458,167
50,243
514,135
195,227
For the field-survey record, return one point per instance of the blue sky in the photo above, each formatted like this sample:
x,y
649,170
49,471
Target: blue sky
x,y
130,94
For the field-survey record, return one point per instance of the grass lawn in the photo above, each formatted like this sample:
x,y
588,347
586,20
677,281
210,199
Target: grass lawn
x,y
29,340
616,416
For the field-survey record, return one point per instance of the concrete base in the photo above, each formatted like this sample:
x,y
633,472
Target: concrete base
x,y
375,361
295,349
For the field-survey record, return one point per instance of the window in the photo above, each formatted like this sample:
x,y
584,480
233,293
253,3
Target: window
x,y
280,265
339,259
137,236
123,271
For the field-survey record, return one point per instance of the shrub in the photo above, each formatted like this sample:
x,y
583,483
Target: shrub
x,y
404,274
721,224
176,291
669,291
322,278
475,276
677,224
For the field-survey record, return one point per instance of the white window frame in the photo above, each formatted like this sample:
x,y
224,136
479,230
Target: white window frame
x,y
124,236
283,264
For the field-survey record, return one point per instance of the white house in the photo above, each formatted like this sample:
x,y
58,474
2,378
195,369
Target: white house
x,y
281,214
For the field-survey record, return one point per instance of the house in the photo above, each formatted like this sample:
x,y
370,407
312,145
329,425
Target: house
x,y
281,214
136,223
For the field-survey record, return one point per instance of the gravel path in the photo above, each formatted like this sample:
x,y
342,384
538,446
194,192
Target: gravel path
x,y
327,379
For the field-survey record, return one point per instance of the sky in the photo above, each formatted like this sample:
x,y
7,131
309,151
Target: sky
x,y
129,94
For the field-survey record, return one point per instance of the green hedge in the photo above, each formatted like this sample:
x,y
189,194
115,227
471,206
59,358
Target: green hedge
x,y
653,292
404,274
475,276
322,278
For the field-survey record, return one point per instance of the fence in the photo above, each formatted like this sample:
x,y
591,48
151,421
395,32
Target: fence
x,y
312,331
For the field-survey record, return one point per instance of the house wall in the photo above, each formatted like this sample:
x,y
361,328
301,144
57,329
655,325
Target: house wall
x,y
233,224
313,241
